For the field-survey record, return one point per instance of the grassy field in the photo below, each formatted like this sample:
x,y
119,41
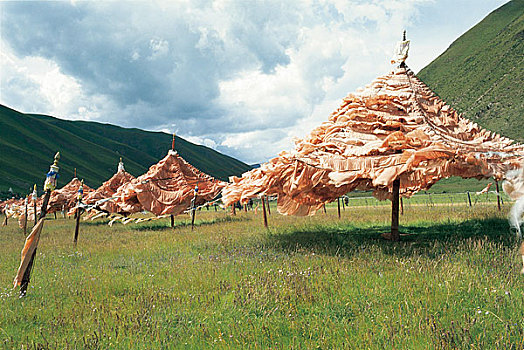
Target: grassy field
x,y
305,283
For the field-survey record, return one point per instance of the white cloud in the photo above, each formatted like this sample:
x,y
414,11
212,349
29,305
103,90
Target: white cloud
x,y
242,77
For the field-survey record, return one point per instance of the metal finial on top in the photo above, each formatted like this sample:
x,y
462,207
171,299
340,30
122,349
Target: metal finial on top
x,y
172,150
121,166
401,51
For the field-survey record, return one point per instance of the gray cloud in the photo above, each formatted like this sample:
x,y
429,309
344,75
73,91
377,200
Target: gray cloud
x,y
223,72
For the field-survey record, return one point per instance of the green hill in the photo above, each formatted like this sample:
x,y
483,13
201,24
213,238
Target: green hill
x,y
481,73
28,143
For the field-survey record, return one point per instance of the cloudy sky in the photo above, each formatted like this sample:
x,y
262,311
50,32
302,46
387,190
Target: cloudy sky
x,y
241,76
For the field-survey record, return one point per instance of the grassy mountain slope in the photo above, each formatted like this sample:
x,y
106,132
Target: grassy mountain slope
x,y
481,73
28,143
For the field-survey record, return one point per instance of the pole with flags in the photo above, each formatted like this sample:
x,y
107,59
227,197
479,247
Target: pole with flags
x,y
31,243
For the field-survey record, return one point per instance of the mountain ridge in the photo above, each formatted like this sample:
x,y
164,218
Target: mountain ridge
x,y
29,141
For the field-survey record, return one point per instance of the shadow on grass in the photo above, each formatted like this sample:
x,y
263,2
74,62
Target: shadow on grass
x,y
427,239
161,225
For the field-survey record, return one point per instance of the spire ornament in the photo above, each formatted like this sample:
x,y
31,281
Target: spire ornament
x,y
401,51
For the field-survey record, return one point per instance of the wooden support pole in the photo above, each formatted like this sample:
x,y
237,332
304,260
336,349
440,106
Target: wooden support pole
x,y
78,211
233,209
172,221
469,199
5,219
395,235
77,224
338,205
264,212
343,204
26,216
498,194
245,208
26,278
401,206
34,209
193,214
49,185
268,206
324,207
55,214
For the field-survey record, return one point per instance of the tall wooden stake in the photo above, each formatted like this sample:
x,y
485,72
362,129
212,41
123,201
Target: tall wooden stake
x,y
498,194
49,186
338,204
324,207
78,210
469,199
193,214
172,221
268,207
395,235
5,219
401,206
233,209
264,212
77,224
35,197
26,218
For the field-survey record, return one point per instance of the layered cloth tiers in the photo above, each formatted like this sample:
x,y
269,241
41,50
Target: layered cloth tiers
x,y
101,197
394,128
169,187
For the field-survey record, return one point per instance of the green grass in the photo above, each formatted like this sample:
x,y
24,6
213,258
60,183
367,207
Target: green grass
x,y
314,282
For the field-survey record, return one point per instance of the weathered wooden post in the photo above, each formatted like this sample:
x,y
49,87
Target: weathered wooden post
x,y
324,207
498,194
5,213
395,235
26,215
264,212
338,205
78,210
172,221
268,206
233,209
469,199
193,206
26,265
35,197
401,206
